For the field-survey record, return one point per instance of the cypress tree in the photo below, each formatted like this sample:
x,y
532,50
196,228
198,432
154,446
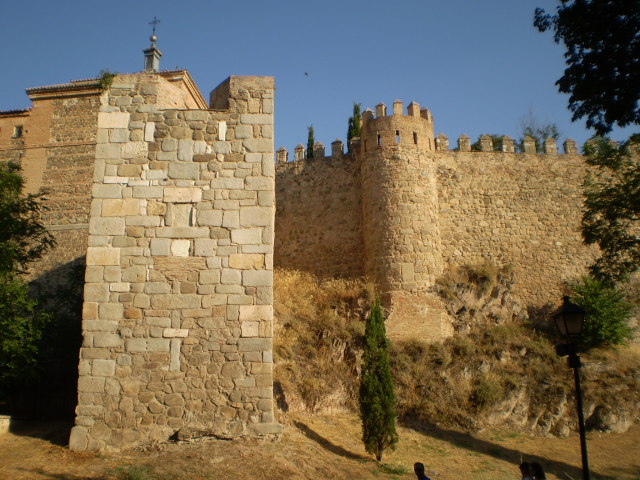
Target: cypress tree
x,y
310,142
353,129
377,400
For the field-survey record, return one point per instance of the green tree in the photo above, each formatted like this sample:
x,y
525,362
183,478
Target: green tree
x,y
23,239
602,76
21,327
353,130
496,141
531,127
602,57
611,217
607,313
377,399
310,141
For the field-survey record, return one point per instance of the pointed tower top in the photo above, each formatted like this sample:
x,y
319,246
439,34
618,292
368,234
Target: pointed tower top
x,y
152,54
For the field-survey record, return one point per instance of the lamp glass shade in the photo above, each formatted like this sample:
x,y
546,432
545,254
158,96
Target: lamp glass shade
x,y
569,320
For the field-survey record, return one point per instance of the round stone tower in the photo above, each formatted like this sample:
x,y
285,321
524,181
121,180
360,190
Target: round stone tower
x,y
403,250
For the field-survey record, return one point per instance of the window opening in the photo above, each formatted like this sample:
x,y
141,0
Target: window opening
x,y
17,131
379,140
397,136
415,138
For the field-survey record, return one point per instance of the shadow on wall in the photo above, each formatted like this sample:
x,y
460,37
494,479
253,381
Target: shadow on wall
x,y
54,393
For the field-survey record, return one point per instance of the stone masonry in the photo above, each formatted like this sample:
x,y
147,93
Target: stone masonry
x,y
171,201
402,208
177,316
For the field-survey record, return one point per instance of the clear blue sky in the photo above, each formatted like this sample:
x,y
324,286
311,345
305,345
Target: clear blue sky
x,y
479,66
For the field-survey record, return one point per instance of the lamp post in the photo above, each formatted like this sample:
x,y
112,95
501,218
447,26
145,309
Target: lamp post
x,y
569,320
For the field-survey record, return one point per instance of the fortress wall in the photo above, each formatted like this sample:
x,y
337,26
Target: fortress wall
x,y
402,235
517,209
319,216
177,315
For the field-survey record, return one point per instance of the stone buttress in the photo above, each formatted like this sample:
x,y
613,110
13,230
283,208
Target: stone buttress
x,y
177,315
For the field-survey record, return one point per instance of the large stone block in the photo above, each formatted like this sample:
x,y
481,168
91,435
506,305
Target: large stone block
x,y
212,218
184,170
256,312
172,301
254,344
106,226
182,232
247,236
152,191
228,183
88,384
103,256
258,145
246,261
257,278
110,311
96,292
120,207
103,368
109,151
107,340
185,150
107,191
113,119
205,247
135,149
182,194
256,216
256,119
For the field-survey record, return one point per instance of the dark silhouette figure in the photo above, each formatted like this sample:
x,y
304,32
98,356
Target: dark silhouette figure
x,y
538,471
419,469
526,470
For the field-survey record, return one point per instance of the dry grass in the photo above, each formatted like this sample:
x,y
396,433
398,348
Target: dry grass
x,y
461,383
318,330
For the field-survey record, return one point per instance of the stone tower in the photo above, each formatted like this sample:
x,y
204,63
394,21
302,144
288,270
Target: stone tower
x,y
402,247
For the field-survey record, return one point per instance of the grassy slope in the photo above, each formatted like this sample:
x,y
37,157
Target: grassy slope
x,y
497,374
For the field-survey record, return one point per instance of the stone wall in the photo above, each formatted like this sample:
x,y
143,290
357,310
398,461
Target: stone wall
x,y
177,316
517,209
318,216
422,208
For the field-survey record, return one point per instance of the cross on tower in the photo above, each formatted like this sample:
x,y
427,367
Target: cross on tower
x,y
153,23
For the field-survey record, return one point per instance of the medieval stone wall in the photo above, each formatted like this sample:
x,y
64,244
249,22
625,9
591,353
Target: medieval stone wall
x,y
518,209
423,208
177,316
318,216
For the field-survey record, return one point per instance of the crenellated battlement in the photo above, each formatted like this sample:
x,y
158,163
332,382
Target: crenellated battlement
x,y
439,204
415,129
380,130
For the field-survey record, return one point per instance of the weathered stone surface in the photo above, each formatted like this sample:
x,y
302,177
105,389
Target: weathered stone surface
x,y
184,170
103,256
113,120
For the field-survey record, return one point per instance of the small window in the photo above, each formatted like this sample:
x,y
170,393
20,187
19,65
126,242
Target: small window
x,y
397,136
379,140
365,145
415,138
17,131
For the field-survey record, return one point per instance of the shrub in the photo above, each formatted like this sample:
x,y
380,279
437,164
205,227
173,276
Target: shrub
x,y
21,327
607,313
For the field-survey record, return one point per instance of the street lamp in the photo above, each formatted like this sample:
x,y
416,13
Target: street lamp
x,y
569,320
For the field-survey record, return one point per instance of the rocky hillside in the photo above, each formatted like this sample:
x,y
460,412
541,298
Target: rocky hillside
x,y
500,368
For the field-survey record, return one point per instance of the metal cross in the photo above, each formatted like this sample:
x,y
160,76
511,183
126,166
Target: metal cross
x,y
154,22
